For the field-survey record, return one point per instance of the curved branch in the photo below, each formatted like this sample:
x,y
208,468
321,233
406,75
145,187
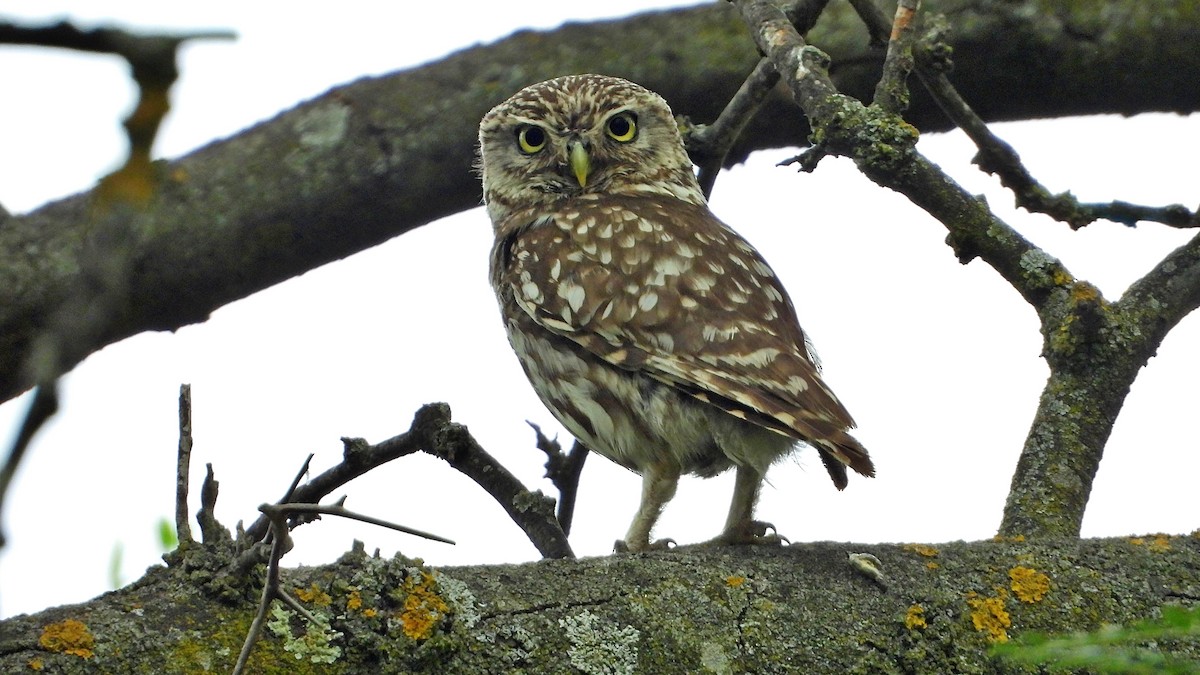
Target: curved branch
x,y
381,156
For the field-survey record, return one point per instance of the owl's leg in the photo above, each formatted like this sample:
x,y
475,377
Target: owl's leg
x,y
740,526
658,487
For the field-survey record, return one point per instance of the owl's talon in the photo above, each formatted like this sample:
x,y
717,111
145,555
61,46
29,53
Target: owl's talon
x,y
620,546
753,533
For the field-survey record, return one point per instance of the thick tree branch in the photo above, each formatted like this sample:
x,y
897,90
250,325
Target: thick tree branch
x,y
376,158
800,609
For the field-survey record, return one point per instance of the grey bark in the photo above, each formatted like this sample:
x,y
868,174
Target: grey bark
x,y
799,609
378,157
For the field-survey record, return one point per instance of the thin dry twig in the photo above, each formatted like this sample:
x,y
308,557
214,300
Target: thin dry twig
x,y
998,158
433,431
875,19
711,144
42,408
339,510
183,530
278,515
891,92
563,469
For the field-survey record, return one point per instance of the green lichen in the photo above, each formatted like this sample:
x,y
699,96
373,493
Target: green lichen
x,y
315,645
599,646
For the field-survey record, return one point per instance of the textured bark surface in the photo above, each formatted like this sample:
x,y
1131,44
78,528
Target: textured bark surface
x,y
800,609
378,157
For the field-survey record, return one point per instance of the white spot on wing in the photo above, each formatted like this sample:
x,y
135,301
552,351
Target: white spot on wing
x,y
573,293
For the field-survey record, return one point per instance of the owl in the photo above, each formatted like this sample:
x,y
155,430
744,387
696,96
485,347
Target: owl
x,y
652,331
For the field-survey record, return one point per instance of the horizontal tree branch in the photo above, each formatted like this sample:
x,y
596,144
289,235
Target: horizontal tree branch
x,y
381,156
800,608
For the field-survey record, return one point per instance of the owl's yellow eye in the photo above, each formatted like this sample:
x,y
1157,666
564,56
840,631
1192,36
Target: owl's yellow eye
x,y
622,127
531,139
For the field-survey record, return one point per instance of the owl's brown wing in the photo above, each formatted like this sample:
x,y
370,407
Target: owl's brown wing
x,y
664,288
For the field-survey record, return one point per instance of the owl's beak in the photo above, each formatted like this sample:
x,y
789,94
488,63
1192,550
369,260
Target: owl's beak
x,y
581,164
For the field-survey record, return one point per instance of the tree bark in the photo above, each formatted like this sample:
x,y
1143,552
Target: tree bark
x,y
378,157
799,609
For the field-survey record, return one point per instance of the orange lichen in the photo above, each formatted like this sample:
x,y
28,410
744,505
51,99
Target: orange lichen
x,y
369,612
36,664
1028,584
1160,544
313,594
989,617
68,637
921,549
423,609
914,617
931,565
354,601
735,581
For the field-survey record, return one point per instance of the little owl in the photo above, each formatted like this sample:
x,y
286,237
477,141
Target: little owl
x,y
654,333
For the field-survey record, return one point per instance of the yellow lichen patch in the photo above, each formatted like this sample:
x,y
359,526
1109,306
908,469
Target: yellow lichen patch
x,y
1137,541
921,549
1015,539
989,617
1160,544
36,664
313,594
354,601
931,565
1084,292
1028,584
735,581
68,637
369,612
423,609
914,617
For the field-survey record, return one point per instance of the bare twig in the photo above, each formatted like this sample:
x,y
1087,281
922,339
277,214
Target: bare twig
x,y
533,512
710,144
891,93
339,510
183,530
42,408
875,19
998,158
279,546
563,469
211,530
432,431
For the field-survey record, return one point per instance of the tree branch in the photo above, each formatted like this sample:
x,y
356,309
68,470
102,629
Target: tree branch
x,y
433,431
362,164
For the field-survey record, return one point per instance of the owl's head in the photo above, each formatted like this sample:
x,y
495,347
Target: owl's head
x,y
581,135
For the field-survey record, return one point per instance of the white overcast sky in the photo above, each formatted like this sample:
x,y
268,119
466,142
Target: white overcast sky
x,y
938,362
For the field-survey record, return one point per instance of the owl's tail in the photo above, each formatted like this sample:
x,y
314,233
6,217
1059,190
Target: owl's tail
x,y
842,451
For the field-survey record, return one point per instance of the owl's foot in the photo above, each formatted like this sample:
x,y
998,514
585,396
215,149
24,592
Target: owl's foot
x,y
751,532
621,546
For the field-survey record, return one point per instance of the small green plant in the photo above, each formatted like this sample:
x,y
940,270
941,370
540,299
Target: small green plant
x,y
167,541
1113,649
